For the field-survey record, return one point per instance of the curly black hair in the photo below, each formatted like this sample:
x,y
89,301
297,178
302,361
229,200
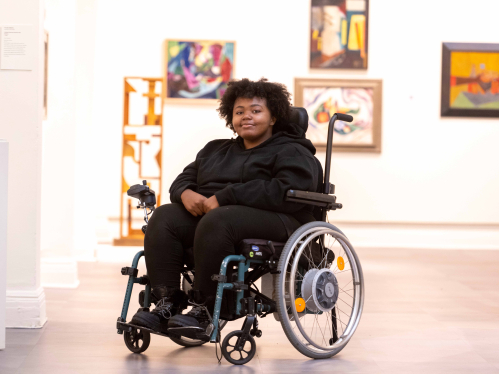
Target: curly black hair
x,y
276,95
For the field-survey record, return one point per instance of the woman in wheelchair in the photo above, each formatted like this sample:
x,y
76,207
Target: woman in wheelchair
x,y
235,189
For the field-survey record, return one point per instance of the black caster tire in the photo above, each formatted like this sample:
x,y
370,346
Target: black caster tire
x,y
137,340
235,356
186,342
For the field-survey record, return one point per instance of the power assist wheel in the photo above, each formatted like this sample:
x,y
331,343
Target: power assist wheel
x,y
320,290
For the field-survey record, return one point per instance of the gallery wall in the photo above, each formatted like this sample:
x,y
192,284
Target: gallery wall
x,y
68,220
21,101
435,182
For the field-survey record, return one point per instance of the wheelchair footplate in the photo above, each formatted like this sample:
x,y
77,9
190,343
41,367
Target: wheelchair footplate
x,y
128,327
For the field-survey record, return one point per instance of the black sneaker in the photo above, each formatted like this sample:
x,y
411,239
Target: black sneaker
x,y
167,307
196,317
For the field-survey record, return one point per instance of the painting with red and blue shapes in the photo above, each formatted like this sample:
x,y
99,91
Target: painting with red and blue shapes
x,y
198,69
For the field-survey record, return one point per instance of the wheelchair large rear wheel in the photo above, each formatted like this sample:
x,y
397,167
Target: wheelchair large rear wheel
x,y
320,290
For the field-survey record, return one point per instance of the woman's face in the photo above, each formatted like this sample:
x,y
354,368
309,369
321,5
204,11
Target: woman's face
x,y
252,120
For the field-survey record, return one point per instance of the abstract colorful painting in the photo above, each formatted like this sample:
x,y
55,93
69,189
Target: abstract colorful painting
x,y
339,34
360,99
470,80
198,69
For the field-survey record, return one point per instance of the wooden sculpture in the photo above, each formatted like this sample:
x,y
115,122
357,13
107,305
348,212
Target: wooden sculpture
x,y
141,156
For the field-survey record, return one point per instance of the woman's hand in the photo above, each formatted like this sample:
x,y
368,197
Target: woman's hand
x,y
193,202
210,204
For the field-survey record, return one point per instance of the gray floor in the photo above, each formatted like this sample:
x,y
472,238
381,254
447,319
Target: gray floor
x,y
425,312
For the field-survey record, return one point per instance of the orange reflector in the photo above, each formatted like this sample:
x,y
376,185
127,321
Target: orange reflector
x,y
341,263
300,305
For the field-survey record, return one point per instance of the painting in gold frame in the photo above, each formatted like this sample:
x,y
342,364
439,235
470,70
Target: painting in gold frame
x,y
359,98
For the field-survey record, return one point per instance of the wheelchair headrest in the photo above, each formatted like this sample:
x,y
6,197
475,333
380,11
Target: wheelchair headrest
x,y
299,116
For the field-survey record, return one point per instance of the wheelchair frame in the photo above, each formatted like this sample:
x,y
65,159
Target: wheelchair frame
x,y
244,306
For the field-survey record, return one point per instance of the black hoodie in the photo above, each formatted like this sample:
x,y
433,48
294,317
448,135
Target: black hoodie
x,y
258,177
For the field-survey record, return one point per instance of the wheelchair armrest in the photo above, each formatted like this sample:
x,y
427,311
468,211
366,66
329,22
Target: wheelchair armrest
x,y
313,198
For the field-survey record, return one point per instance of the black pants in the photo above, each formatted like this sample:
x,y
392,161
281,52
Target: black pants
x,y
214,236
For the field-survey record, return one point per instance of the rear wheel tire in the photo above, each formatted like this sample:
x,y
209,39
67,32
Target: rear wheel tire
x,y
186,342
333,326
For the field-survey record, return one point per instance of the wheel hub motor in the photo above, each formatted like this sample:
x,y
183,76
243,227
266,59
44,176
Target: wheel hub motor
x,y
320,290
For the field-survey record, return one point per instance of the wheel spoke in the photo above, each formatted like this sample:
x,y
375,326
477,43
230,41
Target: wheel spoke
x,y
319,327
310,262
345,291
327,253
351,307
350,281
342,271
348,315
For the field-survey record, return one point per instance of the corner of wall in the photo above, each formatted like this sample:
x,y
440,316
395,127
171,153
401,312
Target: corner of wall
x,y
25,309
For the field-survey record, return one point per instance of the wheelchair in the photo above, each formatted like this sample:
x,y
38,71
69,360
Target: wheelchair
x,y
313,284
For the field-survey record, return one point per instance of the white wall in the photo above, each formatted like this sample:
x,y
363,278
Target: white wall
x,y
68,220
20,124
431,171
58,151
4,174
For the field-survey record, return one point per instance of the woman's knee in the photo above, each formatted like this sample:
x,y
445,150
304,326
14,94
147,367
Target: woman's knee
x,y
167,213
167,210
215,223
215,232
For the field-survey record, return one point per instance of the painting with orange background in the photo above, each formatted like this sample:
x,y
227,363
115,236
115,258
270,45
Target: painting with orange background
x,y
470,80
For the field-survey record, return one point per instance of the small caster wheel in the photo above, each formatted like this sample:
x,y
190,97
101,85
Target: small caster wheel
x,y
137,340
234,353
256,332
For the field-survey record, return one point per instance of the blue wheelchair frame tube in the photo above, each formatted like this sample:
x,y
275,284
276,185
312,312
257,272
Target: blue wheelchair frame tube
x,y
243,267
129,287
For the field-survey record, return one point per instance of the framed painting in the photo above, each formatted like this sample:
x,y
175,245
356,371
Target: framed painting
x,y
359,98
470,80
197,70
339,34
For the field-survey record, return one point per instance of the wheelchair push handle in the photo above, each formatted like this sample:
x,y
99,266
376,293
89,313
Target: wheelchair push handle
x,y
344,117
329,147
